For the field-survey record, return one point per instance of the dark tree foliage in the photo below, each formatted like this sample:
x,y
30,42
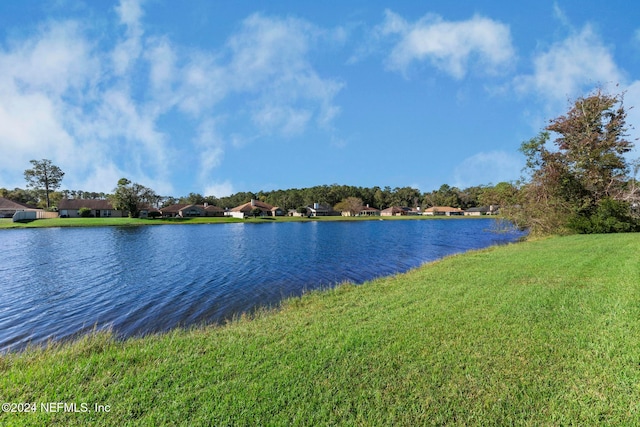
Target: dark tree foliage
x,y
44,177
84,212
20,195
256,212
580,184
331,195
132,197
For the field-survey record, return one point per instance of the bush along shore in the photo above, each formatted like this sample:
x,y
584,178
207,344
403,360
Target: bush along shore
x,y
544,332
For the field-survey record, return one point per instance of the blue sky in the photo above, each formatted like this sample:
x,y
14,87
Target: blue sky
x,y
216,97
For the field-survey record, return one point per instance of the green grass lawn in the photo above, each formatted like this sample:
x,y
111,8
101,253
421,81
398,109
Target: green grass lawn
x,y
108,222
543,332
127,222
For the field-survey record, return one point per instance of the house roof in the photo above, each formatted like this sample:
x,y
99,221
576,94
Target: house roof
x,y
211,208
6,204
182,206
479,209
193,206
320,207
174,208
393,209
443,209
368,209
252,204
94,204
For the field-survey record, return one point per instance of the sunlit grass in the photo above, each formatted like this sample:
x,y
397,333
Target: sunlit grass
x,y
535,333
128,222
108,222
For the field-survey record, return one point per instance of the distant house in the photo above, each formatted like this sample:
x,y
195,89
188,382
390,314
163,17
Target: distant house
x,y
393,211
320,210
147,211
364,211
294,212
482,210
244,211
443,211
173,210
369,211
187,210
213,210
70,208
8,208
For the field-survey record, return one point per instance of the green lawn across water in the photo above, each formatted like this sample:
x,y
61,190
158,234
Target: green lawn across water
x,y
109,222
7,223
543,332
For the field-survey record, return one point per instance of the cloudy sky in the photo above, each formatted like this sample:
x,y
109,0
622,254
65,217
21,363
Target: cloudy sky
x,y
216,97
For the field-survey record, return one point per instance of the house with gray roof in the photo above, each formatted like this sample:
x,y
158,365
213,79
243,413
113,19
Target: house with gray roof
x,y
70,208
8,208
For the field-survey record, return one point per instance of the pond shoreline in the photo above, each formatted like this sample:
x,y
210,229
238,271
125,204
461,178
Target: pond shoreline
x,y
7,224
139,280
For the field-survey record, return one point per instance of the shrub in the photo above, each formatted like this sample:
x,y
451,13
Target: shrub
x,y
610,216
84,212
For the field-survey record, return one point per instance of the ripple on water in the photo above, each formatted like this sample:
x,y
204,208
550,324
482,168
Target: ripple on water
x,y
57,283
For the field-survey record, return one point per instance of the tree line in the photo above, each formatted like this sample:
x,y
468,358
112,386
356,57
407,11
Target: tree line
x,y
294,198
378,197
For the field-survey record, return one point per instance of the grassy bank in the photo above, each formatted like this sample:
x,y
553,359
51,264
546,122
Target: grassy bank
x,y
109,222
7,223
537,333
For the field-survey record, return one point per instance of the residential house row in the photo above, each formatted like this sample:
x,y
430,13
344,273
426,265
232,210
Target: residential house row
x,y
71,208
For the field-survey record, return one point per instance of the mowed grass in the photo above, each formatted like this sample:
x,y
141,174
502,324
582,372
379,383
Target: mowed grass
x,y
543,332
7,223
109,222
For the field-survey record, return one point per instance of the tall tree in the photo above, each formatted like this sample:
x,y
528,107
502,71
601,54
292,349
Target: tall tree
x,y
353,205
44,177
579,185
132,197
592,139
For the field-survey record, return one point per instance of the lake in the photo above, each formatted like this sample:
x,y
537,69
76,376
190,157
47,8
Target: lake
x,y
57,283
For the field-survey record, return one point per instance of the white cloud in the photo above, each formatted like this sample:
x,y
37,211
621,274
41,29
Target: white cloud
x,y
32,106
568,67
219,189
269,56
203,83
287,120
100,110
560,15
452,47
76,113
211,148
128,50
162,62
57,48
487,168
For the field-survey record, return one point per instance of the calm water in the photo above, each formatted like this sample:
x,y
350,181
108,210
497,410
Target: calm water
x,y
58,282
